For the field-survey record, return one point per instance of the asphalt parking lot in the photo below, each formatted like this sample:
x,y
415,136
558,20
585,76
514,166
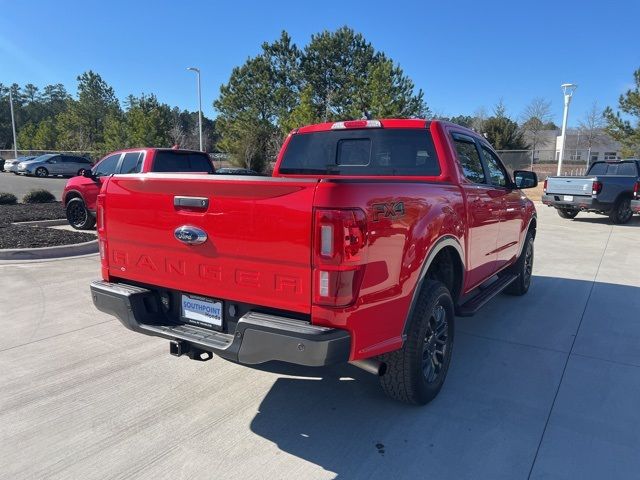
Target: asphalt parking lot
x,y
541,386
20,184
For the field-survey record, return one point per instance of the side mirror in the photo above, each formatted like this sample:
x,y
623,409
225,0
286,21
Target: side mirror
x,y
525,179
87,173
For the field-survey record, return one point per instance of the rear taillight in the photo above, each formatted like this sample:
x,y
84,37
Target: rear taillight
x,y
636,190
596,188
339,255
100,227
102,245
100,212
544,187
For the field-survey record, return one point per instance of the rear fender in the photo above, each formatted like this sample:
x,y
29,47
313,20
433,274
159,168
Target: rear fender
x,y
442,243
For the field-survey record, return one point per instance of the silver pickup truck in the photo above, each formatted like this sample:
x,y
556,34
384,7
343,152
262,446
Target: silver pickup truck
x,y
607,188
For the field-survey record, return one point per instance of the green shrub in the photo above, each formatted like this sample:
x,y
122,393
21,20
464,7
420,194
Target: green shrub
x,y
39,196
8,199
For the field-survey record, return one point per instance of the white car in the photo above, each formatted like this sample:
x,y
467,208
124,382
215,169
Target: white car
x,y
11,165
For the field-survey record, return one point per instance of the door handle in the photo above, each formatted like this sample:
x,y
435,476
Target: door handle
x,y
201,203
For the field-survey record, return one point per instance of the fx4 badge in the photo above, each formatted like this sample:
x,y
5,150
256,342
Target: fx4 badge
x,y
387,210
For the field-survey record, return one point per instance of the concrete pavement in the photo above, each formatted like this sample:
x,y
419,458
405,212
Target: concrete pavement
x,y
541,386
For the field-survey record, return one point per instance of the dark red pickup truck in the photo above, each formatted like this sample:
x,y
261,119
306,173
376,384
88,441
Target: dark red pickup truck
x,y
366,242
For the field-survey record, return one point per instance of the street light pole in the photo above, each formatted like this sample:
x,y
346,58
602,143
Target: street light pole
x,y
197,70
567,90
13,126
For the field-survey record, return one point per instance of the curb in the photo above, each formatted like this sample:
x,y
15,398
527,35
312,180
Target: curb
x,y
58,251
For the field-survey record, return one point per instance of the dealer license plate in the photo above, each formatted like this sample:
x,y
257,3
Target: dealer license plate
x,y
568,198
201,311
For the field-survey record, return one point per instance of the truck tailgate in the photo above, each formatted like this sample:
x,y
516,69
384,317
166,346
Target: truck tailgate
x,y
570,185
258,236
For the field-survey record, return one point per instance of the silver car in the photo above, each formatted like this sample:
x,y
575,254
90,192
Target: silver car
x,y
11,165
54,164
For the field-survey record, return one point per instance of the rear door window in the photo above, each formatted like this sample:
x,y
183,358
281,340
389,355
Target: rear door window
x,y
469,159
177,161
132,162
362,152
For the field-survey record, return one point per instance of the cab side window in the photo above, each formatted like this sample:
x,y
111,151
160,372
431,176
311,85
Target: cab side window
x,y
132,162
469,158
497,173
107,166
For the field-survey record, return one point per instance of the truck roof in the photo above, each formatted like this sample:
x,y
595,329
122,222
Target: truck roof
x,y
362,123
383,122
154,149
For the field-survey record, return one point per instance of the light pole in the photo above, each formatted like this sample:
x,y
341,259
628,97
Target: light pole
x,y
13,126
197,70
567,90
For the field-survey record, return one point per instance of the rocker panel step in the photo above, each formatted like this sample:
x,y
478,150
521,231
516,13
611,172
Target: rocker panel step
x,y
475,303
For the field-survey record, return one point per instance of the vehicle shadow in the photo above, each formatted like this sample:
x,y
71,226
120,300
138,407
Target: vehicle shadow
x,y
487,421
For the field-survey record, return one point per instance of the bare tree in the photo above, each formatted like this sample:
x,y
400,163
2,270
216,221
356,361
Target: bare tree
x,y
534,119
249,151
176,133
591,127
479,118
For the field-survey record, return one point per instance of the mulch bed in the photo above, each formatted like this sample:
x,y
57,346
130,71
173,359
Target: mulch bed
x,y
24,236
21,236
23,212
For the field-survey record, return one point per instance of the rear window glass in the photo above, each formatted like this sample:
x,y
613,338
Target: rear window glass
x,y
362,152
174,161
624,168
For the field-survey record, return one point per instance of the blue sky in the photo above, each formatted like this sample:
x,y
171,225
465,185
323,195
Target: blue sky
x,y
463,54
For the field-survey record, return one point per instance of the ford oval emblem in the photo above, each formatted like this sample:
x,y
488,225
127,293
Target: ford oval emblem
x,y
190,235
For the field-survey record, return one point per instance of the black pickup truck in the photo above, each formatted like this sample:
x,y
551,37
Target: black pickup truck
x,y
607,188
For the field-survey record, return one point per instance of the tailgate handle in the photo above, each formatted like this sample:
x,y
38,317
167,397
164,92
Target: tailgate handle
x,y
191,202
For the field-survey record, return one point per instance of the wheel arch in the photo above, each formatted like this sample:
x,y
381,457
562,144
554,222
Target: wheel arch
x,y
532,227
625,194
445,262
71,194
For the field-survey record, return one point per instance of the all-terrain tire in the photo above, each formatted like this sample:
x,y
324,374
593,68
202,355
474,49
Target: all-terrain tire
x,y
415,373
78,216
523,268
567,212
621,212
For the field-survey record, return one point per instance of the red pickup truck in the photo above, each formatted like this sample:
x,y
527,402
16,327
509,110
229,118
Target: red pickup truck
x,y
368,239
81,192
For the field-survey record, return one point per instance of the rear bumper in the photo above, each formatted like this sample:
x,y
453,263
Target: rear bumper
x,y
635,206
258,337
579,202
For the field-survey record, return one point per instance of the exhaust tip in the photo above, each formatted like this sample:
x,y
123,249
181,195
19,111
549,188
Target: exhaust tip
x,y
376,367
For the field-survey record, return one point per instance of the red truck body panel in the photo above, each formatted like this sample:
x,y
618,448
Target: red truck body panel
x,y
262,246
261,229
